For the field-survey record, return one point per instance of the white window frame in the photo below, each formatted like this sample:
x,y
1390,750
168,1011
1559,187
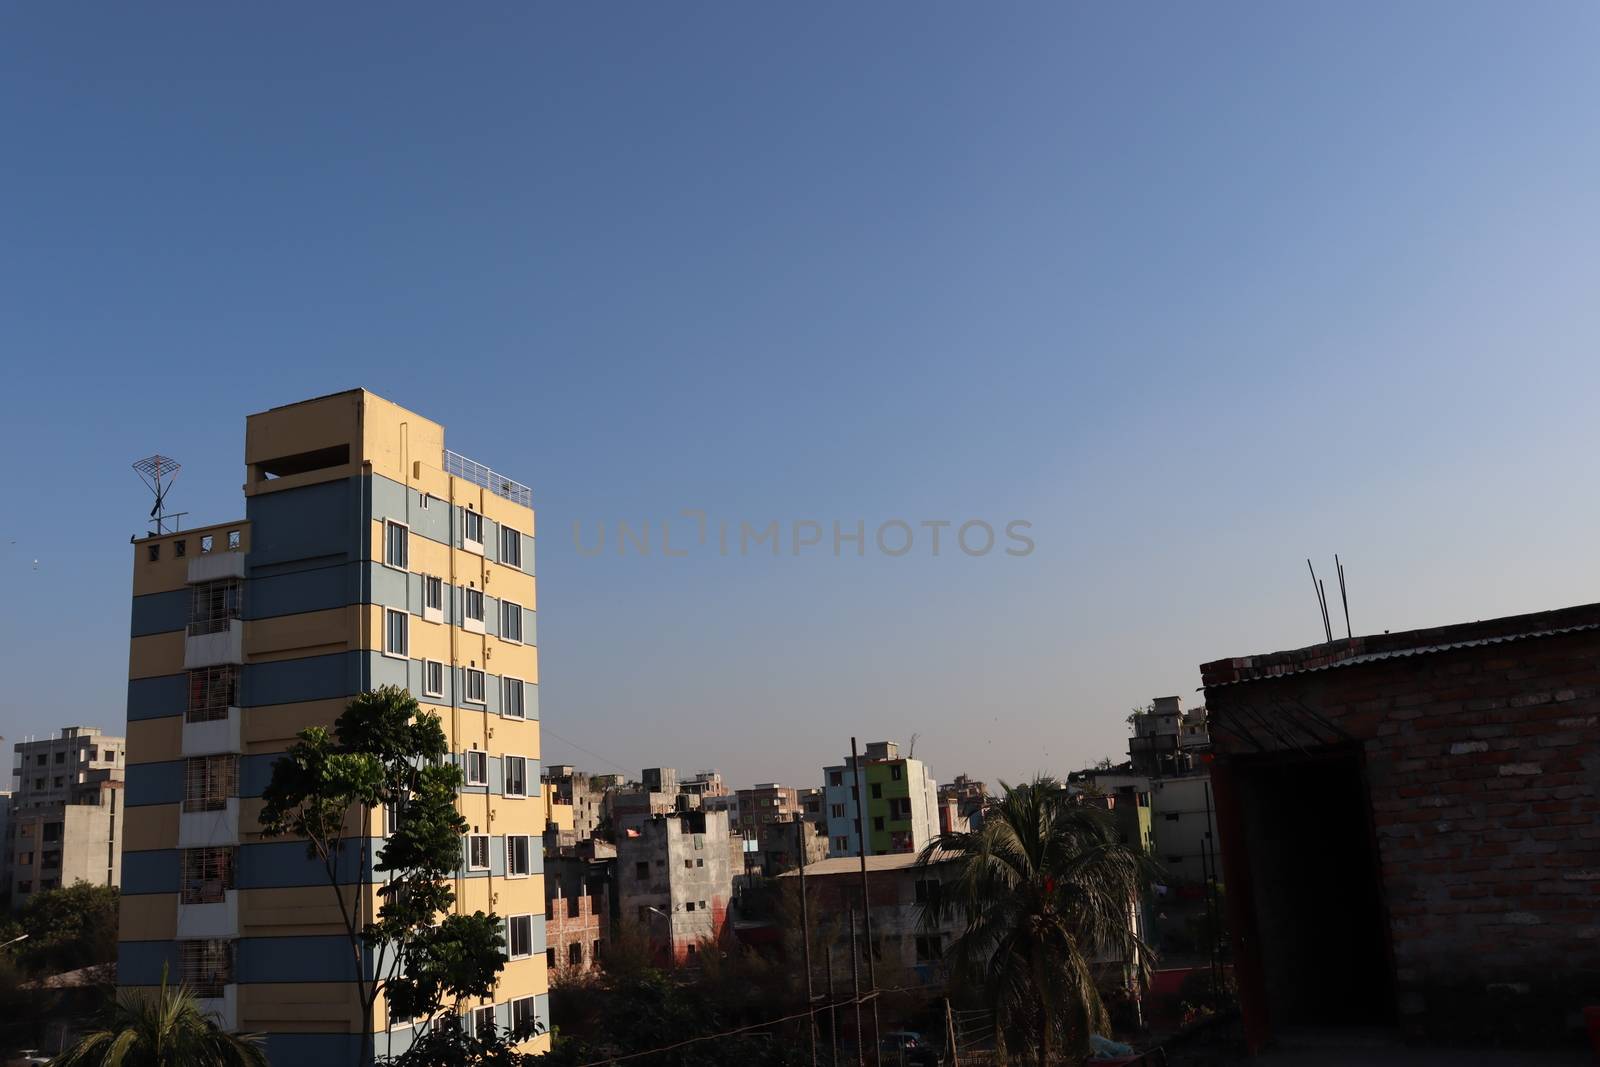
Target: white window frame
x,y
505,775
477,1019
506,685
506,531
466,766
470,622
427,668
506,607
487,845
388,649
527,841
533,1014
469,543
405,545
432,612
482,697
511,952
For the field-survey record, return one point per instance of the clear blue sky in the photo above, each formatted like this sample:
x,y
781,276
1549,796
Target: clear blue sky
x,y
1199,290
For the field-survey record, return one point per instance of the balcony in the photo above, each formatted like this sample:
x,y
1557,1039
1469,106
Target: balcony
x,y
215,644
218,826
212,918
214,736
214,565
225,1008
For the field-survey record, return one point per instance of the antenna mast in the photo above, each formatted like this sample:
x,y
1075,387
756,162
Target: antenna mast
x,y
158,472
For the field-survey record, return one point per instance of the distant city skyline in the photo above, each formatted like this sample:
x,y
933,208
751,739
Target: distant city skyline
x,y
1197,292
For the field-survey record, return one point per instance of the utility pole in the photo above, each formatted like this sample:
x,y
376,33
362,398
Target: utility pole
x,y
855,991
858,783
805,934
950,1035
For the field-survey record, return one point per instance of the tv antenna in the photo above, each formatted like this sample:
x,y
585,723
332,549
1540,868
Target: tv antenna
x,y
158,472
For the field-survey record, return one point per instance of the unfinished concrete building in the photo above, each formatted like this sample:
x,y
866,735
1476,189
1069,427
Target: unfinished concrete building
x,y
674,880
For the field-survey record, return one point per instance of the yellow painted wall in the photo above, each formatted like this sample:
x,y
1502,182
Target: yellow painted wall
x,y
171,571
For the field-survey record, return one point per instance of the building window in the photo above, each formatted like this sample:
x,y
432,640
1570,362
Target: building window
x,y
483,1021
391,818
841,844
214,605
207,543
432,678
877,822
688,905
208,782
511,621
152,553
180,548
433,593
25,886
395,536
575,954
475,686
477,765
510,547
397,632
836,810
512,706
472,527
550,960
518,856
212,691
523,1020
927,891
234,540
519,936
930,949
207,874
894,771
205,966
474,602
516,776
877,791
641,871
478,852
61,757
835,778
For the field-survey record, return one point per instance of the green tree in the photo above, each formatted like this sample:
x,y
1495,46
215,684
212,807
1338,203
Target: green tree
x,y
1043,887
161,1028
68,928
385,752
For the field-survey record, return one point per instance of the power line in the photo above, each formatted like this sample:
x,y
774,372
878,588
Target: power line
x,y
586,751
844,1003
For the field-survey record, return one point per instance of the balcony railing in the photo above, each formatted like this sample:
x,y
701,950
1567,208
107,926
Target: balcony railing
x,y
478,474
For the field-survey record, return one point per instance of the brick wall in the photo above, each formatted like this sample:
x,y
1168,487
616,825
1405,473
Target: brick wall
x,y
1483,765
569,921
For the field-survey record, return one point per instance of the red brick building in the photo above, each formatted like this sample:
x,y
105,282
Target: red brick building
x,y
1410,828
575,932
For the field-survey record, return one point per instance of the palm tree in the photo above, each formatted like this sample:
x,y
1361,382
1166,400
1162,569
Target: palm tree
x,y
164,1028
1045,886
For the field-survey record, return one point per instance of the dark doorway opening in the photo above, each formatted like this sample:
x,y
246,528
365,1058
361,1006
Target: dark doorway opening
x,y
1321,927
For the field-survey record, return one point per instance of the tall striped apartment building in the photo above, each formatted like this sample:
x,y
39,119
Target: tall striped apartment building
x,y
368,555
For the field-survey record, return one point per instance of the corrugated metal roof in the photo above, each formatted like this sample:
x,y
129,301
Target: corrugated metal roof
x,y
1399,653
852,864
